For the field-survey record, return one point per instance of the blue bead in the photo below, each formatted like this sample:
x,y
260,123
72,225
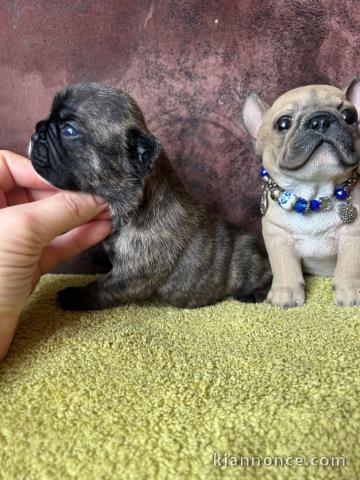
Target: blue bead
x,y
340,194
300,205
263,172
314,205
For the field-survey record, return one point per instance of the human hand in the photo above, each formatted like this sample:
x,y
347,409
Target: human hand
x,y
33,218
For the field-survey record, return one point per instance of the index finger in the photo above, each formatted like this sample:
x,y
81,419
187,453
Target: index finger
x,y
16,170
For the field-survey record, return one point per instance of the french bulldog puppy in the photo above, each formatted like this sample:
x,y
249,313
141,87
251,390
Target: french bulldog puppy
x,y
163,243
308,141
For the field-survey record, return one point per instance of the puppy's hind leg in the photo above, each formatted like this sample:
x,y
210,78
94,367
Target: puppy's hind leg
x,y
257,294
250,274
109,291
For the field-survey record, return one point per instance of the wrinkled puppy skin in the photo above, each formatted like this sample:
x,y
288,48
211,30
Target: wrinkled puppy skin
x,y
309,142
163,243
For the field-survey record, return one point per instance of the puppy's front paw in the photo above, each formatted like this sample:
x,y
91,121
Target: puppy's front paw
x,y
72,298
286,296
347,296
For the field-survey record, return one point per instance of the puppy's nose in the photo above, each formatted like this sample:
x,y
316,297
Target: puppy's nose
x,y
40,130
320,121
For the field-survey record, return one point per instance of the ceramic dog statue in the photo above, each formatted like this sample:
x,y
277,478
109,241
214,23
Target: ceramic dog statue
x,y
309,144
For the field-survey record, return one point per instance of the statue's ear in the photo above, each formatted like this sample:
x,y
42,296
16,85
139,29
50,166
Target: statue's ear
x,y
143,150
252,114
352,92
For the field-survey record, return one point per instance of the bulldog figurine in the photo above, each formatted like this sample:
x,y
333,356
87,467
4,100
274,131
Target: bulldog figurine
x,y
309,144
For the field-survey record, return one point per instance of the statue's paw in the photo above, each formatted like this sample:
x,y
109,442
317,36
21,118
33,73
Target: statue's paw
x,y
347,296
286,297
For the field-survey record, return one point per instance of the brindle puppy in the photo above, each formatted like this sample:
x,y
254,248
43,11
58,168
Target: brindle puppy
x,y
163,243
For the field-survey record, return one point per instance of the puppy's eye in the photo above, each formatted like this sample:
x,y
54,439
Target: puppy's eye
x,y
284,123
350,116
69,131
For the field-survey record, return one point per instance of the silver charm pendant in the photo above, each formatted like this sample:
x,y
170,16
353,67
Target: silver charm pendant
x,y
347,212
264,202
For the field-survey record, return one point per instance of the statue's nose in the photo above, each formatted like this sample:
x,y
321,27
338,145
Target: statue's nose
x,y
321,121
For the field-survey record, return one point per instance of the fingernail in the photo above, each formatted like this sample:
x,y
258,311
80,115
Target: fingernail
x,y
100,200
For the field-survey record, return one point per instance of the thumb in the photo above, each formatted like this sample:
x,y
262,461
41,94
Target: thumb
x,y
63,212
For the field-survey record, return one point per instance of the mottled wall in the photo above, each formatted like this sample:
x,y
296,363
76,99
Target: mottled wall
x,y
188,63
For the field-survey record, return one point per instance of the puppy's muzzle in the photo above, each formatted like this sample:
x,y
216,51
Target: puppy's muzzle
x,y
39,143
40,131
321,121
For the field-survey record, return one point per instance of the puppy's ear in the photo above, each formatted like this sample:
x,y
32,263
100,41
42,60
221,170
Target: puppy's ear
x,y
352,92
143,150
252,114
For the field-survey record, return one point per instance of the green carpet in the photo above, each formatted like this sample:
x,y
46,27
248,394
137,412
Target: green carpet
x,y
151,392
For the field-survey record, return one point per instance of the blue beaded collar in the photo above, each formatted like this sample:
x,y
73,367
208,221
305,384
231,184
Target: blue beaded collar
x,y
289,201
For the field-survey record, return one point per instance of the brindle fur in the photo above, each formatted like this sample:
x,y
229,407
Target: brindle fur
x,y
163,243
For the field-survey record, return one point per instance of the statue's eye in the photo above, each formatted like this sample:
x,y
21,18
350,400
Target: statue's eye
x,y
69,131
284,123
350,116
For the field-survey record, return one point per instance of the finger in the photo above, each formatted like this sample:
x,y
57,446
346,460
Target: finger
x,y
17,196
17,170
62,212
3,202
72,243
35,194
103,215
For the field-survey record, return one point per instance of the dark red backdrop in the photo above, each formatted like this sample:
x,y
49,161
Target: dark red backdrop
x,y
189,64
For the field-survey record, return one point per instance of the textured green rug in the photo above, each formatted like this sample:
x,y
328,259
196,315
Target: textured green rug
x,y
152,392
